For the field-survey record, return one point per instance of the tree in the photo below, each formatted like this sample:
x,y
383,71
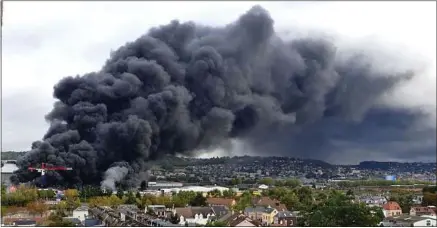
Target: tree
x,y
216,224
405,201
215,193
429,199
57,220
138,195
130,198
71,193
174,218
244,201
291,201
120,193
338,210
229,193
37,208
115,201
61,207
199,200
267,181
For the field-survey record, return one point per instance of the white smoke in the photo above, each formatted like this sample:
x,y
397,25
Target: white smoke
x,y
112,176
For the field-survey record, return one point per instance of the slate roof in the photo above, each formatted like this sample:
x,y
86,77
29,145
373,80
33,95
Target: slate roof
x,y
284,214
26,222
220,211
262,209
391,206
91,222
190,212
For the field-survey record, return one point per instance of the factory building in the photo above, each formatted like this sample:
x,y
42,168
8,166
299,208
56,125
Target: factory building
x,y
7,169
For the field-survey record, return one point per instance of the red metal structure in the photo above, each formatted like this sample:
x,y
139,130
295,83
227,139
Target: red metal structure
x,y
45,168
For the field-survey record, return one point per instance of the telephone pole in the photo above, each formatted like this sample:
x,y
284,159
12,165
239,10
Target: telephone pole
x,y
1,19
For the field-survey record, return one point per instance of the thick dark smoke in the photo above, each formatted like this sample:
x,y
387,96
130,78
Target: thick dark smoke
x,y
184,87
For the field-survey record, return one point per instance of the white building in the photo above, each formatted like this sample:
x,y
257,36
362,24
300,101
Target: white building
x,y
201,189
198,219
427,221
81,213
7,170
263,187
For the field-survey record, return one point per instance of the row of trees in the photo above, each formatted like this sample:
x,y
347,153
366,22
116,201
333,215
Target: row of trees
x,y
293,183
181,199
379,183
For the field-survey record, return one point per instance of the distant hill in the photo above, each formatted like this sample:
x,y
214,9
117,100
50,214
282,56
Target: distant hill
x,y
11,155
391,165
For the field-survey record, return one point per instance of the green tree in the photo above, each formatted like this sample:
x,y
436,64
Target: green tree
x,y
405,201
199,200
236,181
130,198
215,193
244,201
57,220
216,224
120,193
338,210
229,193
291,201
138,195
267,181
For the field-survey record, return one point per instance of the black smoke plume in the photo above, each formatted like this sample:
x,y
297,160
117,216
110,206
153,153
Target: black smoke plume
x,y
183,87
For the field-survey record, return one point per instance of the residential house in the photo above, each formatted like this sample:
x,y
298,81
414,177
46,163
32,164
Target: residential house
x,y
267,201
81,213
391,208
220,202
159,210
128,210
285,218
194,215
422,211
408,220
373,200
238,220
265,215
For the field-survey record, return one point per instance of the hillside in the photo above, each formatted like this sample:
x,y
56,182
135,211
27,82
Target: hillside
x,y
11,155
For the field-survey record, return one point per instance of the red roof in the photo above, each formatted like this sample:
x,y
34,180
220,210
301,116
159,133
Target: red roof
x,y
391,206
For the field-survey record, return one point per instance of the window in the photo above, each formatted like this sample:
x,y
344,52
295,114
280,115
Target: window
x,y
428,222
290,223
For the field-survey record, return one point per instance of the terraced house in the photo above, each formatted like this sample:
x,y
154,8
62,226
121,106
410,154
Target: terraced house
x,y
263,214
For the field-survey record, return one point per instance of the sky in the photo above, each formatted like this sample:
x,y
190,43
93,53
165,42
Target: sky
x,y
43,42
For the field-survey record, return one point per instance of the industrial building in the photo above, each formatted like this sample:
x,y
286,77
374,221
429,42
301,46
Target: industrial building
x,y
7,169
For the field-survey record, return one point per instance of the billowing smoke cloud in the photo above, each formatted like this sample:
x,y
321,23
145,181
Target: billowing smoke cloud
x,y
112,176
183,87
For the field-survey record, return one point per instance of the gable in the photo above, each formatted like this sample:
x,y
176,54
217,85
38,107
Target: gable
x,y
245,223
